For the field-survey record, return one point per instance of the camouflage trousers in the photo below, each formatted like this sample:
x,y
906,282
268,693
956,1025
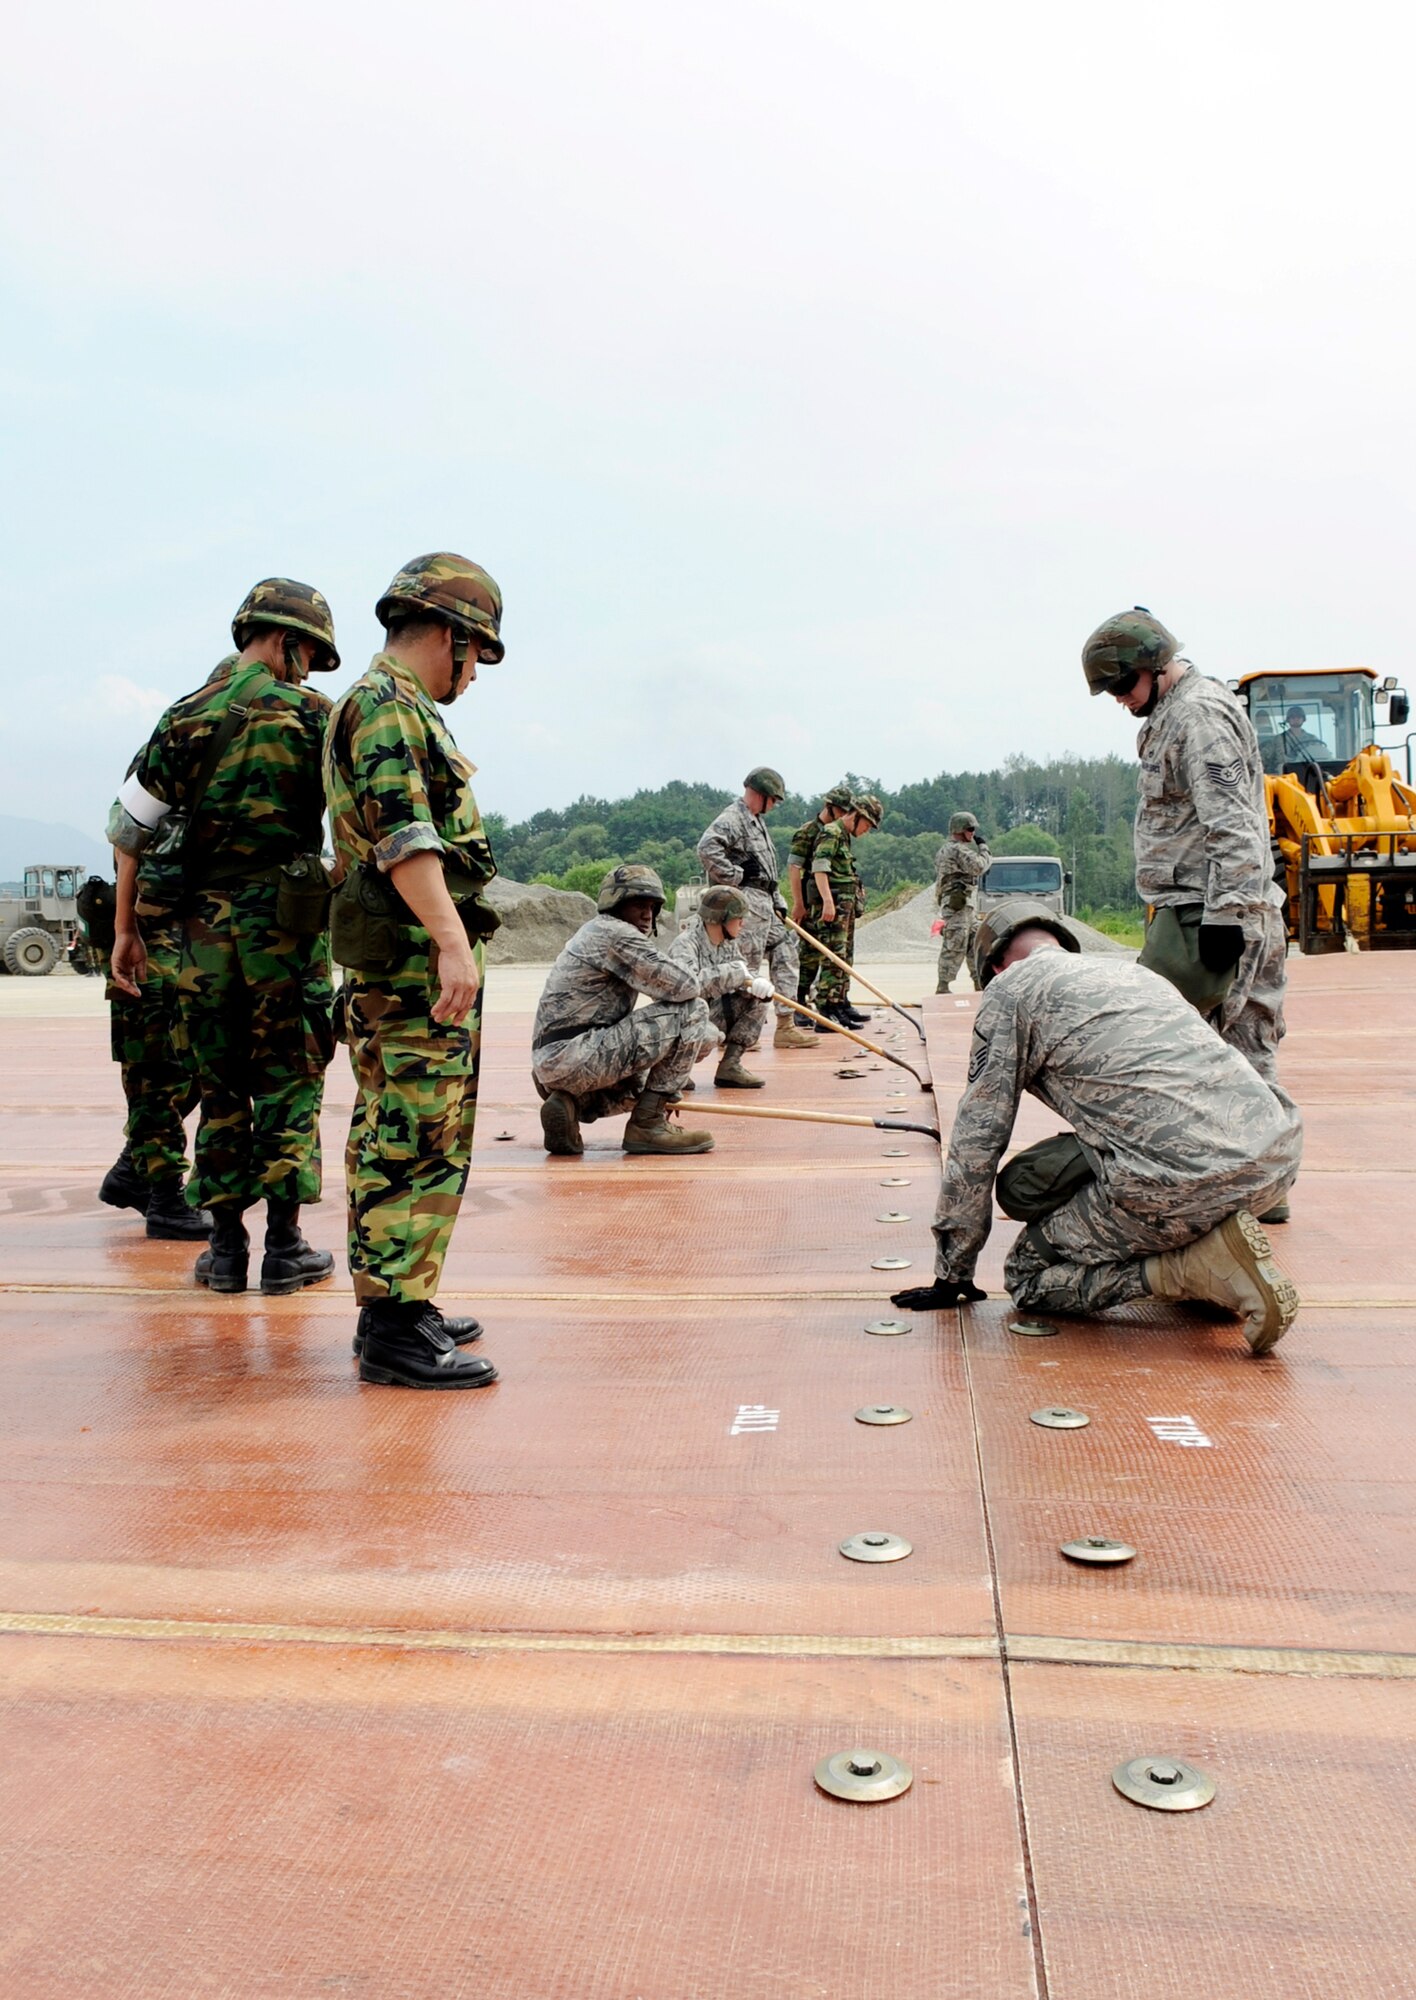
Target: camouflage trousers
x,y
1089,1254
606,1069
255,1017
832,985
738,1018
410,1139
159,1083
956,942
764,938
1251,1014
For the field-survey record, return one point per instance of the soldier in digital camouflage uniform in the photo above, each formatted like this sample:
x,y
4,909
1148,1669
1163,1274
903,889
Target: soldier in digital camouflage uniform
x,y
1201,833
835,897
708,946
959,867
1176,1141
737,853
411,851
253,984
594,1051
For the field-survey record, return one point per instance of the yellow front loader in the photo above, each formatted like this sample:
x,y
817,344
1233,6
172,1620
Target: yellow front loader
x,y
1342,823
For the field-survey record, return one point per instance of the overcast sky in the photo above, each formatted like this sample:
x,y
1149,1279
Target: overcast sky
x,y
812,376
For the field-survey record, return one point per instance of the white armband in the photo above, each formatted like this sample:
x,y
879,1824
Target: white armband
x,y
141,805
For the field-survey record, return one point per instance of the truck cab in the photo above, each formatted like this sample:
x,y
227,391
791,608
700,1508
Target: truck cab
x,y
1039,876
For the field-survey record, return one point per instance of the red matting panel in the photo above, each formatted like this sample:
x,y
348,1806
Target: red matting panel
x,y
677,1467
1295,1883
310,1820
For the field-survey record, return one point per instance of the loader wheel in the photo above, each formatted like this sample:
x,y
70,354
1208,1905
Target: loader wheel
x,y
30,953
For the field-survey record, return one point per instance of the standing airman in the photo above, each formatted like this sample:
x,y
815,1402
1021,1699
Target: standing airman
x,y
959,867
737,853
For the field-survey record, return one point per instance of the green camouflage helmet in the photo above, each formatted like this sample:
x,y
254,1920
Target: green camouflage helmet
x,y
962,823
869,807
1003,921
840,796
721,904
625,883
294,607
1131,640
456,591
762,778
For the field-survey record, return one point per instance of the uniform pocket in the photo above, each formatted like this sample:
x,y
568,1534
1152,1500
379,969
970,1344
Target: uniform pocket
x,y
423,1097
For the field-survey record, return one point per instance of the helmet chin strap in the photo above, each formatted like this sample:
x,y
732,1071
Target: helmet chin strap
x,y
461,647
294,665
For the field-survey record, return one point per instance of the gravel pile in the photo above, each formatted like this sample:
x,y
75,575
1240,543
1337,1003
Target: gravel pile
x,y
904,935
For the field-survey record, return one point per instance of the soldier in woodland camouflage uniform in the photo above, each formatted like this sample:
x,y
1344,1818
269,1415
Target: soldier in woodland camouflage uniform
x,y
594,1051
737,853
836,802
159,1088
959,867
835,897
1175,1141
409,924
708,947
1201,831
222,814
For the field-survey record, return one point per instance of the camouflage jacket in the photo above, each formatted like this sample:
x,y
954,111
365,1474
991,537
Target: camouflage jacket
x,y
960,864
713,964
804,844
264,803
396,782
599,976
833,857
1161,1105
1201,830
738,842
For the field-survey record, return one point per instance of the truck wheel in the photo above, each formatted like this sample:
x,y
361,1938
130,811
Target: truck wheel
x,y
30,953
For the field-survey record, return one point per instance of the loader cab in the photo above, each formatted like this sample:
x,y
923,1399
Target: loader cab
x,y
1308,722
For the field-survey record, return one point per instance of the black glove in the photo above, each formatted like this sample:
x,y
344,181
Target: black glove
x,y
1221,946
752,876
939,1296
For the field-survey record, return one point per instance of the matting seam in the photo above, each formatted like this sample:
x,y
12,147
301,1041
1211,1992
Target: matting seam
x,y
1022,1649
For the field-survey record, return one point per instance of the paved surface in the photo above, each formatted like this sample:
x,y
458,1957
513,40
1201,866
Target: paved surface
x,y
307,1688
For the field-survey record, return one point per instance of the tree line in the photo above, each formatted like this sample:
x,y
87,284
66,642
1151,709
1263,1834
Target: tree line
x,y
1080,808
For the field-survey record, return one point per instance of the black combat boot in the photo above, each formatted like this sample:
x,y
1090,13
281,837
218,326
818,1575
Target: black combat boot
x,y
289,1263
853,1017
407,1346
123,1186
222,1265
169,1218
461,1331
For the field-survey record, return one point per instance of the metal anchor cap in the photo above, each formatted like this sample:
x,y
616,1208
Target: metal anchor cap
x,y
889,1263
1097,1550
1167,1784
1033,1329
876,1545
1055,1418
888,1326
893,1215
883,1413
866,1777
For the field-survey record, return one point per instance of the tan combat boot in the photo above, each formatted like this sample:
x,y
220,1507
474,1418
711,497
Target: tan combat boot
x,y
731,1075
648,1131
1233,1267
788,1035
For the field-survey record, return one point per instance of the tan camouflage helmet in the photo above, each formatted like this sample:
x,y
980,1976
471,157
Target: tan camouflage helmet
x,y
1125,644
1004,921
962,823
762,778
839,796
721,904
869,807
623,884
450,588
294,607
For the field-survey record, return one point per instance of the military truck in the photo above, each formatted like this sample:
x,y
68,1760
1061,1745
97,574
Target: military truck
x,y
1040,876
39,926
